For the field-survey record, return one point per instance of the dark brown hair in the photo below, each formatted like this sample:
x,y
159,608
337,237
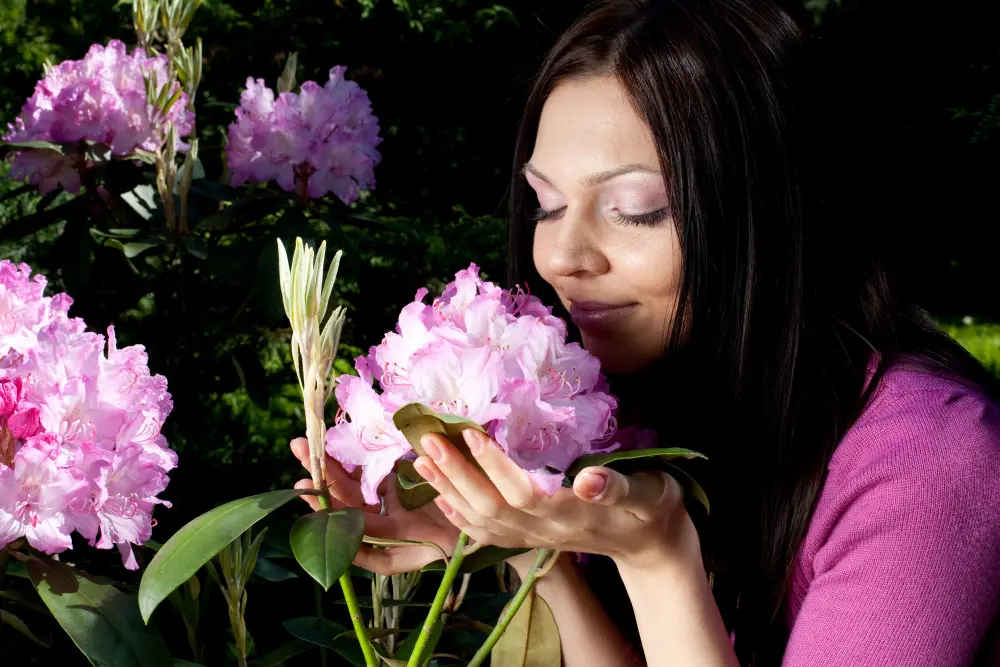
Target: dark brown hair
x,y
786,300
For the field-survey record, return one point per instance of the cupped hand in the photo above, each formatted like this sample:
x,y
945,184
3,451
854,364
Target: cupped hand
x,y
426,524
637,519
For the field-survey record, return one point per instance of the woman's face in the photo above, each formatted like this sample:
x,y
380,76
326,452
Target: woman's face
x,y
605,238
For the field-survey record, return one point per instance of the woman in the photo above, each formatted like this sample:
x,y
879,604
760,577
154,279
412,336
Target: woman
x,y
714,256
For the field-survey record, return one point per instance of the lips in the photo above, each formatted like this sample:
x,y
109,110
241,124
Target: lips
x,y
594,315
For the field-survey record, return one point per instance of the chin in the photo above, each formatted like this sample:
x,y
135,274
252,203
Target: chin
x,y
616,358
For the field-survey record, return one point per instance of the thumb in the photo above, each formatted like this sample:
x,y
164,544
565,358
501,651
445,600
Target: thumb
x,y
644,494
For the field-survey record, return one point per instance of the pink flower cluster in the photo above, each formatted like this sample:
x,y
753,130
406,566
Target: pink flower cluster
x,y
497,358
80,442
101,99
320,140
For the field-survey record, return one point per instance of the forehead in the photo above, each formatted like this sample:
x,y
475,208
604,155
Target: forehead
x,y
588,126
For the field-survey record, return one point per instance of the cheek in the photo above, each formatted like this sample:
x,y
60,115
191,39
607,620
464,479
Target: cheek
x,y
650,262
543,247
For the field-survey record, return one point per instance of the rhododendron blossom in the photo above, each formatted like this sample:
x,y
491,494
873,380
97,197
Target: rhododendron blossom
x,y
319,140
101,99
80,442
497,358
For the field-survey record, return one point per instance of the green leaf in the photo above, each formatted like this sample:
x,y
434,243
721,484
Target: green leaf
x,y
325,542
315,630
405,649
268,570
480,559
143,200
328,634
40,219
636,455
690,486
33,145
101,620
416,420
213,190
412,490
18,624
200,540
282,654
195,247
531,639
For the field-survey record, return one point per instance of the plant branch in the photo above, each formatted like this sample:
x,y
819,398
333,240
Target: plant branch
x,y
444,590
543,563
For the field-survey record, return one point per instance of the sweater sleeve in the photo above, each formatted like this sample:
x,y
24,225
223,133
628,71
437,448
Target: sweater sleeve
x,y
903,552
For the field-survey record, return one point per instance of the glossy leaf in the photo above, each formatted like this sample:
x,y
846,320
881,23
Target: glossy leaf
x,y
531,639
412,490
200,540
101,620
631,459
480,559
32,145
325,543
268,570
282,654
691,487
405,649
328,634
415,420
315,630
17,623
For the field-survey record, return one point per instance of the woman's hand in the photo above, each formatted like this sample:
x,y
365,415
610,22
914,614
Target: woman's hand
x,y
638,520
426,524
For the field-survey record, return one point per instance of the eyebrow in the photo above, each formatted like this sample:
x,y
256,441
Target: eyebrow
x,y
598,178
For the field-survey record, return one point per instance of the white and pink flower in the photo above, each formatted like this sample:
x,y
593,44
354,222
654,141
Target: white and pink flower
x,y
80,442
497,358
319,140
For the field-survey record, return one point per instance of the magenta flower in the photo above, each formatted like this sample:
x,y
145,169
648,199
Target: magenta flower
x,y
321,140
100,99
80,441
497,358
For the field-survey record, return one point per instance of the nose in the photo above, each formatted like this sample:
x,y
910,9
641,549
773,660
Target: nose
x,y
570,246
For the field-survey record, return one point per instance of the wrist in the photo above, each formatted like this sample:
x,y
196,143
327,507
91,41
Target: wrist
x,y
676,548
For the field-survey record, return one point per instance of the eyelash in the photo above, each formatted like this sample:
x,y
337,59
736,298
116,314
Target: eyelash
x,y
643,220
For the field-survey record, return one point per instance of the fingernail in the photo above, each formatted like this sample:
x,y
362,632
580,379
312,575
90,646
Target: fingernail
x,y
425,469
444,506
593,484
474,439
429,443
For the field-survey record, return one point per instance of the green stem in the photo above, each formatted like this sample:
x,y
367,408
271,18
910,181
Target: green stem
x,y
508,614
351,599
417,656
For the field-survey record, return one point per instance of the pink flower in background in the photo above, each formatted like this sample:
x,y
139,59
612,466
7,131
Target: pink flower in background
x,y
321,140
497,358
100,99
80,441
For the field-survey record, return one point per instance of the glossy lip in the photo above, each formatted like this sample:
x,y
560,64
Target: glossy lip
x,y
597,315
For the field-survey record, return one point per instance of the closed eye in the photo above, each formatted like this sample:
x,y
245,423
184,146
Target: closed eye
x,y
541,214
650,219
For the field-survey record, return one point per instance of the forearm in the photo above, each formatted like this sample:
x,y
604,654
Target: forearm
x,y
587,635
678,620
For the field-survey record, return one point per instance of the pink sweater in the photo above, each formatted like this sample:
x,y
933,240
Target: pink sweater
x,y
901,563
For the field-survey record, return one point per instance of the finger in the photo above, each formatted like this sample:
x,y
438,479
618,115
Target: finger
x,y
513,483
406,528
477,534
313,500
430,472
342,486
395,560
643,494
460,478
300,448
